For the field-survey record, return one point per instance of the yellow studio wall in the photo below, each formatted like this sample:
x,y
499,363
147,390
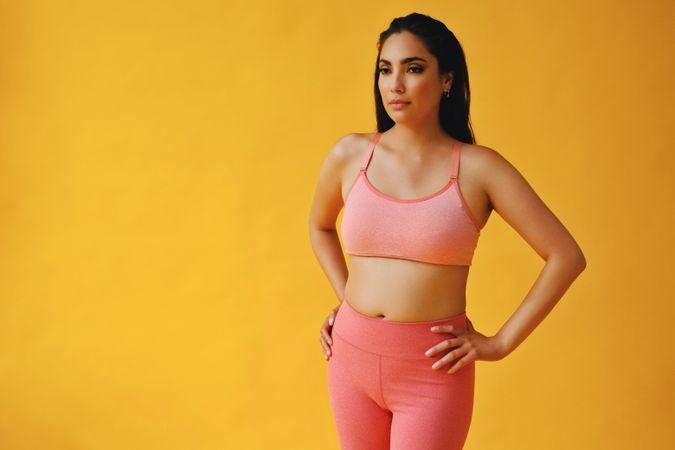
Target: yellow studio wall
x,y
157,164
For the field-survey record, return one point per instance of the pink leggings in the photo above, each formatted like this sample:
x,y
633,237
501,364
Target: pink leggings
x,y
383,392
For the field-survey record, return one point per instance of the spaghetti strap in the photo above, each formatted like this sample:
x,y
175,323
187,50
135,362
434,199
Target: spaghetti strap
x,y
455,159
369,153
436,228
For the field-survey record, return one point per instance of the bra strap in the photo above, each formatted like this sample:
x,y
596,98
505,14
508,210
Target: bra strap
x,y
455,159
369,153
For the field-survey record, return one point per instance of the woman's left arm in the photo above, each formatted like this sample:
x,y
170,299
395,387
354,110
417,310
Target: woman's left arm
x,y
520,206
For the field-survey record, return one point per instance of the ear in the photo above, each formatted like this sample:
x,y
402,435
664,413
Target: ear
x,y
447,80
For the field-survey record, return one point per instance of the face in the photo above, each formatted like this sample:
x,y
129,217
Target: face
x,y
409,73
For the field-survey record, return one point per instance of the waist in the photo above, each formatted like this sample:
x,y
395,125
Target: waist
x,y
392,338
404,290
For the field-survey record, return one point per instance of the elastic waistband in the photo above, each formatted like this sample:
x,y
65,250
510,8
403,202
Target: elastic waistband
x,y
392,338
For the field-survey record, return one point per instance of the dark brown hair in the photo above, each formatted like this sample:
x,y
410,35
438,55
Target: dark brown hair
x,y
442,43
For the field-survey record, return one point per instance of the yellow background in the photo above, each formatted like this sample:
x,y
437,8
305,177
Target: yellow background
x,y
157,162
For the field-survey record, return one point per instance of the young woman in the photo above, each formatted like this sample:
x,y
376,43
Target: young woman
x,y
401,350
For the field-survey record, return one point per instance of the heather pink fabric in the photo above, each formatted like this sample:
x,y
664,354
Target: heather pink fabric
x,y
383,393
437,228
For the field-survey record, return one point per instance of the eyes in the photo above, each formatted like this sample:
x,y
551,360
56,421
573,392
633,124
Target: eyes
x,y
416,69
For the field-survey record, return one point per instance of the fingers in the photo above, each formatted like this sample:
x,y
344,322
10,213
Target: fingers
x,y
325,336
462,362
442,328
449,357
326,348
451,329
442,346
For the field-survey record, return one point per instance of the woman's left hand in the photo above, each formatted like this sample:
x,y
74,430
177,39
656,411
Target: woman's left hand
x,y
469,346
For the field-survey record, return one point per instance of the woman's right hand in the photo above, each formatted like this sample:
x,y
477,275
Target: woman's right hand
x,y
325,338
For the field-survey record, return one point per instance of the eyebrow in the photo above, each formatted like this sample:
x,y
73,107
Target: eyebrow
x,y
405,60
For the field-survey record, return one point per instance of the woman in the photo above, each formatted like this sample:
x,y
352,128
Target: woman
x,y
416,195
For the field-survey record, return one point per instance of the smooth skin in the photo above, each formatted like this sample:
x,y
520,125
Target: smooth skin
x,y
472,345
407,164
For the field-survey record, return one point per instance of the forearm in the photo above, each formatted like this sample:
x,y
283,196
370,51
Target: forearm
x,y
328,251
553,281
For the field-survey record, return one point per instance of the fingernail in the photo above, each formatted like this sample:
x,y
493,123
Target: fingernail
x,y
330,321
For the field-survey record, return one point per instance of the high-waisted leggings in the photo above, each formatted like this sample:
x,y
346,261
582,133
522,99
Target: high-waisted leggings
x,y
383,393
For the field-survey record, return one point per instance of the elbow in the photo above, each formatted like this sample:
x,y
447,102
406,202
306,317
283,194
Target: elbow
x,y
574,259
579,265
318,227
578,261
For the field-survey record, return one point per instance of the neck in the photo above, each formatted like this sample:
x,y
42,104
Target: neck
x,y
417,140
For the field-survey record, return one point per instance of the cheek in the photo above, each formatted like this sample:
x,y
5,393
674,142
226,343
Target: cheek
x,y
426,90
384,87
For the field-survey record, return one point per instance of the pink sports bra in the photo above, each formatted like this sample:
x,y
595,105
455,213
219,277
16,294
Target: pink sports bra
x,y
437,228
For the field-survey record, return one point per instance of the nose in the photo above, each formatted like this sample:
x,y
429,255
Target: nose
x,y
397,85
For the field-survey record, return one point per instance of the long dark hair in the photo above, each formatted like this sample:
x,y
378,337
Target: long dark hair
x,y
441,42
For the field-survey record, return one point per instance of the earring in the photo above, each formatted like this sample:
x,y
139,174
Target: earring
x,y
446,94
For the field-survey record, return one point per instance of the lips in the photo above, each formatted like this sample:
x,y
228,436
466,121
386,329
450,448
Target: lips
x,y
398,102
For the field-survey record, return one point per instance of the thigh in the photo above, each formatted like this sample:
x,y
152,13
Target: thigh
x,y
432,409
353,387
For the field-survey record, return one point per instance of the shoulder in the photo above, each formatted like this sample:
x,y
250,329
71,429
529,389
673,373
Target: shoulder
x,y
498,178
481,154
484,161
487,170
349,148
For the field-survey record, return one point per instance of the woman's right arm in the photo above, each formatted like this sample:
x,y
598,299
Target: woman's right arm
x,y
323,215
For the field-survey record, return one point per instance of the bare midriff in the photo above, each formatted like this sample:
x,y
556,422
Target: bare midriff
x,y
405,291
